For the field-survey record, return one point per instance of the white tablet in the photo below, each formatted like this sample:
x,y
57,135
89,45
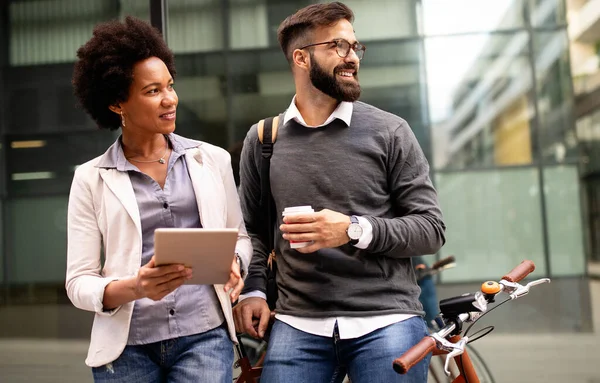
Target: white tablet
x,y
209,252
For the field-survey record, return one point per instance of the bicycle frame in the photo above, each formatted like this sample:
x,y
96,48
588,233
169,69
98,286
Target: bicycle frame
x,y
248,373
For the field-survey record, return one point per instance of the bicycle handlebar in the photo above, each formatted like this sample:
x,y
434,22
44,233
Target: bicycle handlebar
x,y
443,262
417,352
520,272
414,355
422,271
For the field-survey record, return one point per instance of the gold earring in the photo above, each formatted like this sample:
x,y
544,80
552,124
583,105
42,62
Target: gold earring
x,y
122,119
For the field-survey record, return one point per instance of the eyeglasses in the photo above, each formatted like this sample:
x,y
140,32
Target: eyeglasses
x,y
343,47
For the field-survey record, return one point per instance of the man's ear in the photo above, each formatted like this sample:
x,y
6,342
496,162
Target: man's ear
x,y
300,58
116,109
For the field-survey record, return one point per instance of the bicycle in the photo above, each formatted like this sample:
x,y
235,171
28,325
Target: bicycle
x,y
434,322
466,308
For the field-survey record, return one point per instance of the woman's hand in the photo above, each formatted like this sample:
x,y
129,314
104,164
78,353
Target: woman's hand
x,y
155,282
235,281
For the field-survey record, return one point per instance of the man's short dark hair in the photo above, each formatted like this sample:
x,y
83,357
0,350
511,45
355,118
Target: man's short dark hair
x,y
296,30
103,72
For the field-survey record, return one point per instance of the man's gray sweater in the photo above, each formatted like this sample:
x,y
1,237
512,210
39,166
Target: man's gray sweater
x,y
373,168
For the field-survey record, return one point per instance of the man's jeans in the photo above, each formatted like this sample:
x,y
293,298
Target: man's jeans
x,y
296,356
206,357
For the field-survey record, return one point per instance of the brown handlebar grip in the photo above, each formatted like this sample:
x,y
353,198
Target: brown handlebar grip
x,y
414,355
520,272
443,262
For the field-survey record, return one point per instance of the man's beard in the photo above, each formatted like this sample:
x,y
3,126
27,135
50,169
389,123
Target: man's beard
x,y
339,90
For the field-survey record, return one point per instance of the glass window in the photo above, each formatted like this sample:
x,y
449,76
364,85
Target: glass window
x,y
588,136
493,221
195,26
393,19
392,77
201,87
263,87
547,13
136,8
45,136
51,31
565,231
249,24
558,141
196,36
480,100
37,230
43,164
592,197
443,17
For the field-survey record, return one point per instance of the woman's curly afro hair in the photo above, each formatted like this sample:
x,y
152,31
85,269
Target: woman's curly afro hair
x,y
104,70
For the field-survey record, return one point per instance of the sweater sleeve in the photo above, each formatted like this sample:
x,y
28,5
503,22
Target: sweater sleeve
x,y
254,216
417,228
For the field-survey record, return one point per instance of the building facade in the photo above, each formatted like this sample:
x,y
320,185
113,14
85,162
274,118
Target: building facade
x,y
485,85
584,33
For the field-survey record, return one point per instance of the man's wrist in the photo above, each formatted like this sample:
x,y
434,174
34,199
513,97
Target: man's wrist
x,y
253,294
354,230
367,235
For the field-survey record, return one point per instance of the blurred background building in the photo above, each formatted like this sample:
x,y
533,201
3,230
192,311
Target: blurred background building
x,y
506,110
584,33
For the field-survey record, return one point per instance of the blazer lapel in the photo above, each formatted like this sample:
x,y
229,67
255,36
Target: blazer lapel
x,y
120,184
209,191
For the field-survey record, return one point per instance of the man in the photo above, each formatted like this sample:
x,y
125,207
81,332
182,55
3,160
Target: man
x,y
348,303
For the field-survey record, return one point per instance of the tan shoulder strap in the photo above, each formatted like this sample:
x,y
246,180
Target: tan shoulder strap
x,y
261,128
275,128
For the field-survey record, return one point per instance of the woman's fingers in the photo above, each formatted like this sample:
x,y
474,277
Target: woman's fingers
x,y
159,286
237,290
173,280
234,276
163,289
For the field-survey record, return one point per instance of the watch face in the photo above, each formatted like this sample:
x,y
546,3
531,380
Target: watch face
x,y
354,231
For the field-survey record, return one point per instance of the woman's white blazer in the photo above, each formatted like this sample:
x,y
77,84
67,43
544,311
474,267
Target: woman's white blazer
x,y
103,216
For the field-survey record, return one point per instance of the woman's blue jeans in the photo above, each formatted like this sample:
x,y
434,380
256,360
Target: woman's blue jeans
x,y
206,357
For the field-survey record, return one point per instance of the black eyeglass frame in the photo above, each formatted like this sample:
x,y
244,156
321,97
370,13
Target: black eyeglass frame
x,y
357,47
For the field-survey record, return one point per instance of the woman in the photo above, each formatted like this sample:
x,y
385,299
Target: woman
x,y
148,326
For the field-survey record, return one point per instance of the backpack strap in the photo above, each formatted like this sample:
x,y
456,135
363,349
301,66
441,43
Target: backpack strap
x,y
267,135
272,124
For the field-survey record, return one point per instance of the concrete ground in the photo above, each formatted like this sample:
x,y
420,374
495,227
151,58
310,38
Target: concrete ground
x,y
535,358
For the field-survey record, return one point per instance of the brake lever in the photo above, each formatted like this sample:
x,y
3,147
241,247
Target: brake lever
x,y
454,349
516,290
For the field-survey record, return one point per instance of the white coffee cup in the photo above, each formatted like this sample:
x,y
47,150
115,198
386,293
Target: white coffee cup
x,y
295,210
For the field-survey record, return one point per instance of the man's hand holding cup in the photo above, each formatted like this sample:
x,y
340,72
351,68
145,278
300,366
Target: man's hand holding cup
x,y
308,231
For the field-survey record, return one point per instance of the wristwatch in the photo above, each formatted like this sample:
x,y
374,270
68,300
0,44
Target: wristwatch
x,y
239,262
354,230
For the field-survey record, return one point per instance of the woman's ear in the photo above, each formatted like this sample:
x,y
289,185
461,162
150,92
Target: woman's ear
x,y
116,109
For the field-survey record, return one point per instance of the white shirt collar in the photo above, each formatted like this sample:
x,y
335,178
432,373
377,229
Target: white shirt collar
x,y
343,112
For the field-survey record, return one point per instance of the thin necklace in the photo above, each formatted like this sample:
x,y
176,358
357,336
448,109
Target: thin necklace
x,y
161,160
